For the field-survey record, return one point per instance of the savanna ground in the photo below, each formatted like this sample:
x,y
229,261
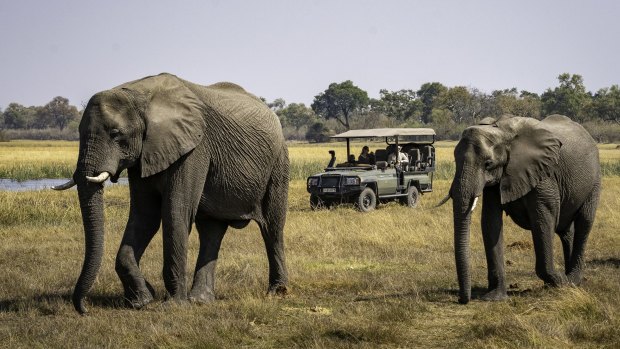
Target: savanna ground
x,y
383,279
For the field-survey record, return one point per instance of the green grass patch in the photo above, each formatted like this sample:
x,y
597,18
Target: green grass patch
x,y
23,172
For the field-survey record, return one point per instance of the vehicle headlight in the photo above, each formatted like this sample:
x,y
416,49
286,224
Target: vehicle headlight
x,y
313,181
351,181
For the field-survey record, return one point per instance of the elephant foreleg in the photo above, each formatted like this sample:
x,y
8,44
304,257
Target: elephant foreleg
x,y
143,223
493,237
185,180
211,233
583,224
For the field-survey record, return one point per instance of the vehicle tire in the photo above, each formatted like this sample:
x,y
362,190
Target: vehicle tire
x,y
367,201
412,198
316,203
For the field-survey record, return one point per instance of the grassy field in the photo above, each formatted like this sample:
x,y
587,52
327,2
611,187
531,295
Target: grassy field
x,y
383,279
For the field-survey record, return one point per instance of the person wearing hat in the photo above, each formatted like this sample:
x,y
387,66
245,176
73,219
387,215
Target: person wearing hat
x,y
398,155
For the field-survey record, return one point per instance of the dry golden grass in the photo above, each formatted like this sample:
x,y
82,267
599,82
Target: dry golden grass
x,y
383,279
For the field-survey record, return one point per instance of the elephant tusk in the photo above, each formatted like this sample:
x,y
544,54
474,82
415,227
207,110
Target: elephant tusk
x,y
443,201
100,178
473,205
65,186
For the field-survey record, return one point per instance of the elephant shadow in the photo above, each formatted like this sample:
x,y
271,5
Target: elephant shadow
x,y
54,303
439,295
611,261
450,295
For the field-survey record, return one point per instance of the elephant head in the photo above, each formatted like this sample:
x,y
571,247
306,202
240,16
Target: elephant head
x,y
144,125
512,153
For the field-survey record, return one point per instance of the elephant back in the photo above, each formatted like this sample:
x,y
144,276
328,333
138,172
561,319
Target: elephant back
x,y
576,141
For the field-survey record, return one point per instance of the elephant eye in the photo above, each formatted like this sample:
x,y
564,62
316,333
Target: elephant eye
x,y
489,164
115,133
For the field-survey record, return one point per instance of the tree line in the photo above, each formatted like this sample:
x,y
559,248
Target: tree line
x,y
54,120
448,110
344,106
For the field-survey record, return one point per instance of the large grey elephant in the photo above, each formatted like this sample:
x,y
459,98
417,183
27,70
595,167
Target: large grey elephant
x,y
213,155
545,175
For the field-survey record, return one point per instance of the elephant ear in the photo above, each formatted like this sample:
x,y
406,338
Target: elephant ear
x,y
533,156
174,124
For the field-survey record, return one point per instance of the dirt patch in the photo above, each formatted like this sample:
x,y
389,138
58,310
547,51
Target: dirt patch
x,y
520,245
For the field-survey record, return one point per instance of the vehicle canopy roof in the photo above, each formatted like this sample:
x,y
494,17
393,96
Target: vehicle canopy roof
x,y
404,134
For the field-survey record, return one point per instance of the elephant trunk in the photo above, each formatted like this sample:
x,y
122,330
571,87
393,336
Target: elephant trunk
x,y
464,198
461,251
91,204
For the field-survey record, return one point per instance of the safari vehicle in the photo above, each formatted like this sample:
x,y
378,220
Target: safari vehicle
x,y
380,180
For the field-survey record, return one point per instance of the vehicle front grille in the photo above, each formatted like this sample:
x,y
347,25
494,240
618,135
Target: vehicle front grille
x,y
330,181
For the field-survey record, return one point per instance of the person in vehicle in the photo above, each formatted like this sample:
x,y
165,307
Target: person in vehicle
x,y
366,157
396,154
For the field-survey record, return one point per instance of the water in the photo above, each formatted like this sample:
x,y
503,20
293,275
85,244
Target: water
x,y
41,184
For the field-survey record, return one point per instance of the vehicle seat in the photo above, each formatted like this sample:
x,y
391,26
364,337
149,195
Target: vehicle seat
x,y
415,162
381,155
427,155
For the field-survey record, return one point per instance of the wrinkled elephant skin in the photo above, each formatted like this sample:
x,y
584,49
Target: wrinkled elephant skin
x,y
210,155
545,175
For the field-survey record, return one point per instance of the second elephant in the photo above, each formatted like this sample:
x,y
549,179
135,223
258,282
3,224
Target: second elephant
x,y
545,175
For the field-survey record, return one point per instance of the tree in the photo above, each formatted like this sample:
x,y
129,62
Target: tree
x,y
57,113
401,105
466,108
340,101
318,132
570,98
277,104
606,104
17,116
427,93
296,115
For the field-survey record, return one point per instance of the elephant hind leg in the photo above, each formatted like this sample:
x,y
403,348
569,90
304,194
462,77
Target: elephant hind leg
x,y
271,224
211,233
543,211
584,220
567,239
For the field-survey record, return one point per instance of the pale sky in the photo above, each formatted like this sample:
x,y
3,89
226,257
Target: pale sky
x,y
295,49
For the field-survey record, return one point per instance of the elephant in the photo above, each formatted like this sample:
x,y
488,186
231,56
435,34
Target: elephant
x,y
545,175
210,155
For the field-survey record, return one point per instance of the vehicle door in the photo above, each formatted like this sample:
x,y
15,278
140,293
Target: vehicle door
x,y
386,181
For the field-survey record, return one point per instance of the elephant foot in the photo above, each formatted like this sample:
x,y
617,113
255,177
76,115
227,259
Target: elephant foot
x,y
555,280
201,297
575,278
138,300
277,291
498,294
173,302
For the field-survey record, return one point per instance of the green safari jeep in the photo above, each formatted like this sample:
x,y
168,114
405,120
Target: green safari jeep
x,y
383,176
